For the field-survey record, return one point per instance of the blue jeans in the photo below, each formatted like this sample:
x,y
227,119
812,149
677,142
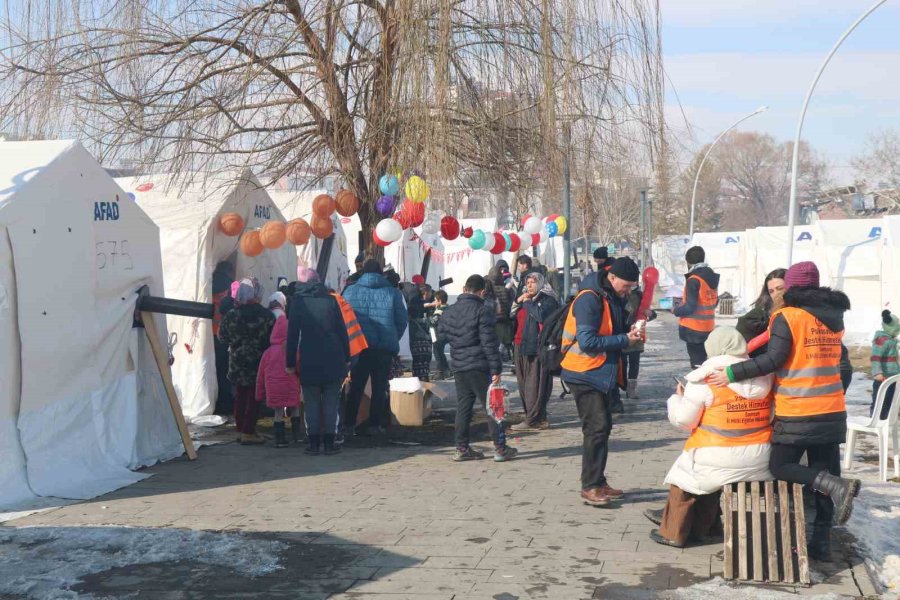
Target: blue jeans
x,y
321,402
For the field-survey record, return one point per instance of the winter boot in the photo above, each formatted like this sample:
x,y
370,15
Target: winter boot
x,y
819,546
295,430
330,448
617,407
631,392
280,441
841,491
314,444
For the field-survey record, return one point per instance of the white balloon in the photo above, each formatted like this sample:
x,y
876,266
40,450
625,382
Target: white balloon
x,y
389,230
526,240
489,241
544,235
533,225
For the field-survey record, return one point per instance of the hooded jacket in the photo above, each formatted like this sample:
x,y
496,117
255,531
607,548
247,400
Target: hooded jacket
x,y
689,303
316,323
380,310
828,306
278,388
469,326
500,293
245,330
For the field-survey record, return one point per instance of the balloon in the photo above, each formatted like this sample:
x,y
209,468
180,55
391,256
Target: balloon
x,y
323,206
231,224
515,242
533,225
389,230
552,229
298,232
525,239
489,241
389,185
561,225
476,239
544,236
346,203
403,218
507,240
499,243
386,205
550,218
321,227
449,228
525,220
415,211
250,244
273,235
535,239
432,223
378,240
467,232
416,189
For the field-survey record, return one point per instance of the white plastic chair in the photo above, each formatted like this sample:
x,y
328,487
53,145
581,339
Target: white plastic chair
x,y
883,428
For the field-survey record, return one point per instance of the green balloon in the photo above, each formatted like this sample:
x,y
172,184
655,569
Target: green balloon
x,y
476,242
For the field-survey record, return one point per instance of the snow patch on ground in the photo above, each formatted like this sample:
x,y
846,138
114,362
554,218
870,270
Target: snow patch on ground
x,y
876,512
719,588
43,562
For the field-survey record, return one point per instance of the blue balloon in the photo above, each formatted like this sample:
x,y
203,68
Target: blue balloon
x,y
552,228
476,242
508,240
389,185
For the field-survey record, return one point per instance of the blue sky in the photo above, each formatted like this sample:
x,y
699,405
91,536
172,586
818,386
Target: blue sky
x,y
727,57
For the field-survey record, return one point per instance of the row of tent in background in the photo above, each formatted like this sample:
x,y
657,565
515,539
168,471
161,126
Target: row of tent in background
x,y
857,256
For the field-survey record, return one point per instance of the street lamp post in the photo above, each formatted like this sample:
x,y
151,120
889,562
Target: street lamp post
x,y
705,156
567,211
795,159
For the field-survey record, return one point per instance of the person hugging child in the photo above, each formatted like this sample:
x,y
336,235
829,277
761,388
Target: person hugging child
x,y
279,389
885,359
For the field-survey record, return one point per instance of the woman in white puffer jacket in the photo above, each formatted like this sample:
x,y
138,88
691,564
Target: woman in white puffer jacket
x,y
728,443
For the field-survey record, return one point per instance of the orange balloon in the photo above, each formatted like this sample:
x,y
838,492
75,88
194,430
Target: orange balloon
x,y
346,203
231,224
273,234
250,244
321,228
323,205
298,232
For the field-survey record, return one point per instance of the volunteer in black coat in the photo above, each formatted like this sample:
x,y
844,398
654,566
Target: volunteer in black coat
x,y
469,327
696,313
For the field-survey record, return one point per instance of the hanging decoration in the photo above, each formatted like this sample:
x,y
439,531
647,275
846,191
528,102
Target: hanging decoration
x,y
552,229
467,232
499,243
322,228
297,232
389,230
489,241
515,242
389,185
561,225
386,205
323,206
231,224
378,240
439,256
449,228
250,244
346,203
533,225
416,189
476,239
273,235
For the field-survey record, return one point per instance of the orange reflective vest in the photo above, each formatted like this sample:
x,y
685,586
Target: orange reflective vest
x,y
704,317
358,341
217,310
574,358
732,420
809,382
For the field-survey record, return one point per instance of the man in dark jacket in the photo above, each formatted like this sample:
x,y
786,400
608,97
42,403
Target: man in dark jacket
x,y
805,353
382,315
602,259
469,326
593,342
697,312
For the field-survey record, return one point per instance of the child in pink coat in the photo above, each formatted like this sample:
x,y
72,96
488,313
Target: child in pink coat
x,y
279,390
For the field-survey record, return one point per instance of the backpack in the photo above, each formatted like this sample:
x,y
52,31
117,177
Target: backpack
x,y
550,338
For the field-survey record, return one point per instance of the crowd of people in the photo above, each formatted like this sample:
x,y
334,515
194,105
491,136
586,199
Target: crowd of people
x,y
752,415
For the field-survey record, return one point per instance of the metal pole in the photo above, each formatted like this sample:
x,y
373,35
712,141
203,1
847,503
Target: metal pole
x,y
643,224
795,159
705,156
567,212
649,233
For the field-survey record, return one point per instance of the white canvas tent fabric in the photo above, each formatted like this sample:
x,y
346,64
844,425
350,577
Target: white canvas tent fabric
x,y
298,205
667,252
890,263
187,209
81,402
723,256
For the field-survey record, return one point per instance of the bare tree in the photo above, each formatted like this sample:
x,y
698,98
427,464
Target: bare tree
x,y
878,167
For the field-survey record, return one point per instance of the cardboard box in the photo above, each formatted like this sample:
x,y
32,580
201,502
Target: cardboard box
x,y
411,409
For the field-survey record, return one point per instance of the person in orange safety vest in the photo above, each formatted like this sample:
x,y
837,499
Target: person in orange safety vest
x,y
697,311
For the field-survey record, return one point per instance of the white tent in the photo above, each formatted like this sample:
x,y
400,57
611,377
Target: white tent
x,y
667,252
298,205
722,250
890,263
81,401
187,209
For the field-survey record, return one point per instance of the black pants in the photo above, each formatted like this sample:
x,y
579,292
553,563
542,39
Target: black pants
x,y
888,399
631,364
784,463
596,425
472,386
372,363
696,353
225,398
443,366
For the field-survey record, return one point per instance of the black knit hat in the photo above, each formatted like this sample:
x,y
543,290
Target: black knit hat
x,y
601,253
695,255
625,268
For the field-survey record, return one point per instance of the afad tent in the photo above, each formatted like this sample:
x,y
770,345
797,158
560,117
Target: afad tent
x,y
722,250
667,252
81,399
187,209
298,205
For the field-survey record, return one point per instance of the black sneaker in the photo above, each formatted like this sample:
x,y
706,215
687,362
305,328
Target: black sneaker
x,y
505,453
469,453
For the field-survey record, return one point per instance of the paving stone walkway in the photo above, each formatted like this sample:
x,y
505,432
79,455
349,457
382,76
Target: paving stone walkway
x,y
392,522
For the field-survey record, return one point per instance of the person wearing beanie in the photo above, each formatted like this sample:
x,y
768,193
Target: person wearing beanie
x,y
594,336
697,311
602,259
730,431
805,354
885,360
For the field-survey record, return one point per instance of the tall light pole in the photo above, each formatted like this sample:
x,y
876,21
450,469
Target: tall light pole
x,y
795,160
567,210
705,156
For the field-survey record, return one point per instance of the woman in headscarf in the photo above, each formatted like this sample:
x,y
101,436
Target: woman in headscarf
x,y
730,432
246,330
536,303
419,335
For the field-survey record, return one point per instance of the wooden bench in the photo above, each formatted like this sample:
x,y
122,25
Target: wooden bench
x,y
765,532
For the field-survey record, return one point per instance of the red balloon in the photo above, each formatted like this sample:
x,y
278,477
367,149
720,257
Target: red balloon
x,y
551,218
415,211
525,218
449,228
499,243
467,232
515,242
403,218
535,240
378,240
